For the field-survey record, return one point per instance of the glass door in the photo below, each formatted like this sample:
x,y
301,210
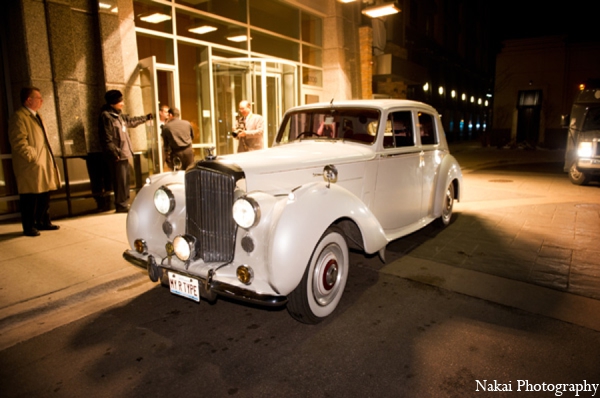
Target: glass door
x,y
270,85
158,88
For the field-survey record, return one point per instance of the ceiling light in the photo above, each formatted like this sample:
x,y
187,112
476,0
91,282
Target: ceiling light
x,y
202,29
381,10
104,5
346,1
238,38
156,17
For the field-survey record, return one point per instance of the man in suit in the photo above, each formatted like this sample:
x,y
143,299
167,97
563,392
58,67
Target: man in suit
x,y
177,136
250,128
33,163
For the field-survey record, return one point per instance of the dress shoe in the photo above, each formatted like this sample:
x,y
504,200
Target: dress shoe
x,y
31,232
122,210
47,227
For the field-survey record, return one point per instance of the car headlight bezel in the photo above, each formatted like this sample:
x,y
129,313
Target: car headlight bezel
x,y
246,212
164,200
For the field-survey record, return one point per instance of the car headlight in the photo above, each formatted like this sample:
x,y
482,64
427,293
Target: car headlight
x,y
164,200
246,212
184,247
584,150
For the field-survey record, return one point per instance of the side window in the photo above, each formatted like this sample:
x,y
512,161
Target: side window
x,y
399,130
427,129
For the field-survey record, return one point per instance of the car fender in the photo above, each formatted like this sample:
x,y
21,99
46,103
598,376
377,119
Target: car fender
x,y
449,170
305,216
145,222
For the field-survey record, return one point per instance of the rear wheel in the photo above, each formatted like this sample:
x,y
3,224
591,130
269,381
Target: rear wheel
x,y
447,206
578,177
322,285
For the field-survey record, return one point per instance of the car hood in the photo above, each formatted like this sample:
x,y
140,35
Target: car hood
x,y
281,168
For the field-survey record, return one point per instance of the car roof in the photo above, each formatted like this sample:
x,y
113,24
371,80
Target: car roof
x,y
382,104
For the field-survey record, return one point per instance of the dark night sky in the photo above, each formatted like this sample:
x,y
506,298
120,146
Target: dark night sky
x,y
514,19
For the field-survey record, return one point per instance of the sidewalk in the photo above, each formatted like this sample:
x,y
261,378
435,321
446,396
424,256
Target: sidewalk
x,y
521,238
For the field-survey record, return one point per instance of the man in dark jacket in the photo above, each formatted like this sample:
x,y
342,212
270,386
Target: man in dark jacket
x,y
116,144
177,136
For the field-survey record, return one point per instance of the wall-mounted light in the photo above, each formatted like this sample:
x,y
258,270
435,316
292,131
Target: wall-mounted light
x,y
441,90
426,87
453,93
381,10
156,17
202,29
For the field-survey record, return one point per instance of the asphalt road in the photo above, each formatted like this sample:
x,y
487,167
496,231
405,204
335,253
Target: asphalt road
x,y
390,338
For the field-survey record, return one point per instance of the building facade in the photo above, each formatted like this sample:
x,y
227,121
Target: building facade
x,y
204,56
536,82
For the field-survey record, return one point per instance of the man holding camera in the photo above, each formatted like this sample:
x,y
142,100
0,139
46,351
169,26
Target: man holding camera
x,y
249,129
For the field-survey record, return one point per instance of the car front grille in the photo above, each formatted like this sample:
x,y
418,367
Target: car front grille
x,y
209,200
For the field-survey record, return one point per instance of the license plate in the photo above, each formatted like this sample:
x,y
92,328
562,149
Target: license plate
x,y
184,286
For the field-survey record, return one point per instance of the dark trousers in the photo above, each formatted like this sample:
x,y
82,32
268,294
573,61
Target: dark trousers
x,y
100,179
121,179
34,209
186,155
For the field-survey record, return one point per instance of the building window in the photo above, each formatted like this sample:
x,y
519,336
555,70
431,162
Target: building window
x,y
160,47
153,16
276,17
232,9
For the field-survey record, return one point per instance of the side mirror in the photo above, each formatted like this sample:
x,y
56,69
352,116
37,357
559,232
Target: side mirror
x,y
564,121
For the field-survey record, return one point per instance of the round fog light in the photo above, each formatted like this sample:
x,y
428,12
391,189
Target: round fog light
x,y
184,247
245,274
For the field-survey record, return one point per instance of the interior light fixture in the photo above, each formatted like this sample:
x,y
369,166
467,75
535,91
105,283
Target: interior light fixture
x,y
238,38
202,29
156,17
346,1
381,10
104,6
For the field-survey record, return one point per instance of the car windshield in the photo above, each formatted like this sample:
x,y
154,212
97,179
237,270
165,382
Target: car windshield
x,y
351,124
592,119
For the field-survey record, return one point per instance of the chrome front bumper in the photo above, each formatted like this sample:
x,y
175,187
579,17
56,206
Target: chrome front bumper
x,y
209,287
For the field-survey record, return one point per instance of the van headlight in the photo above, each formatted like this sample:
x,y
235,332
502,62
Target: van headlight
x,y
584,150
246,212
164,200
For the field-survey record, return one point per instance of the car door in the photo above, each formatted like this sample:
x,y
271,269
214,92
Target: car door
x,y
429,157
397,197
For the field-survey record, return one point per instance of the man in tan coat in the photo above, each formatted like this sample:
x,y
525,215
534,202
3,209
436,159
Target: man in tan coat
x,y
249,129
33,163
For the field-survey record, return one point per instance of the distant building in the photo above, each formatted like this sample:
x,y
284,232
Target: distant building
x,y
536,82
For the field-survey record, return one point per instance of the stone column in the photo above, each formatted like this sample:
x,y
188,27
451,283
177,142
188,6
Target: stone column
x,y
120,61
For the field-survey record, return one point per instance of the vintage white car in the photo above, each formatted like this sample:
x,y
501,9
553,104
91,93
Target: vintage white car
x,y
274,226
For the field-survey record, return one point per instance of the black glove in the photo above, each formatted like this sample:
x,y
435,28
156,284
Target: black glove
x,y
149,116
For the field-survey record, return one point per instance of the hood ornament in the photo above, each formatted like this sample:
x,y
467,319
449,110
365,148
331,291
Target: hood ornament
x,y
210,153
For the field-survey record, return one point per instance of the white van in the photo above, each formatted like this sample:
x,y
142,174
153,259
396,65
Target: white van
x,y
582,157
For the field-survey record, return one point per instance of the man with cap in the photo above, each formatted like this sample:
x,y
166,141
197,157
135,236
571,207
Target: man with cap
x,y
116,144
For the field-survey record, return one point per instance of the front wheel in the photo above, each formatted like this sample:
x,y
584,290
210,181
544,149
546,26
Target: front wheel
x,y
578,177
447,206
322,285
